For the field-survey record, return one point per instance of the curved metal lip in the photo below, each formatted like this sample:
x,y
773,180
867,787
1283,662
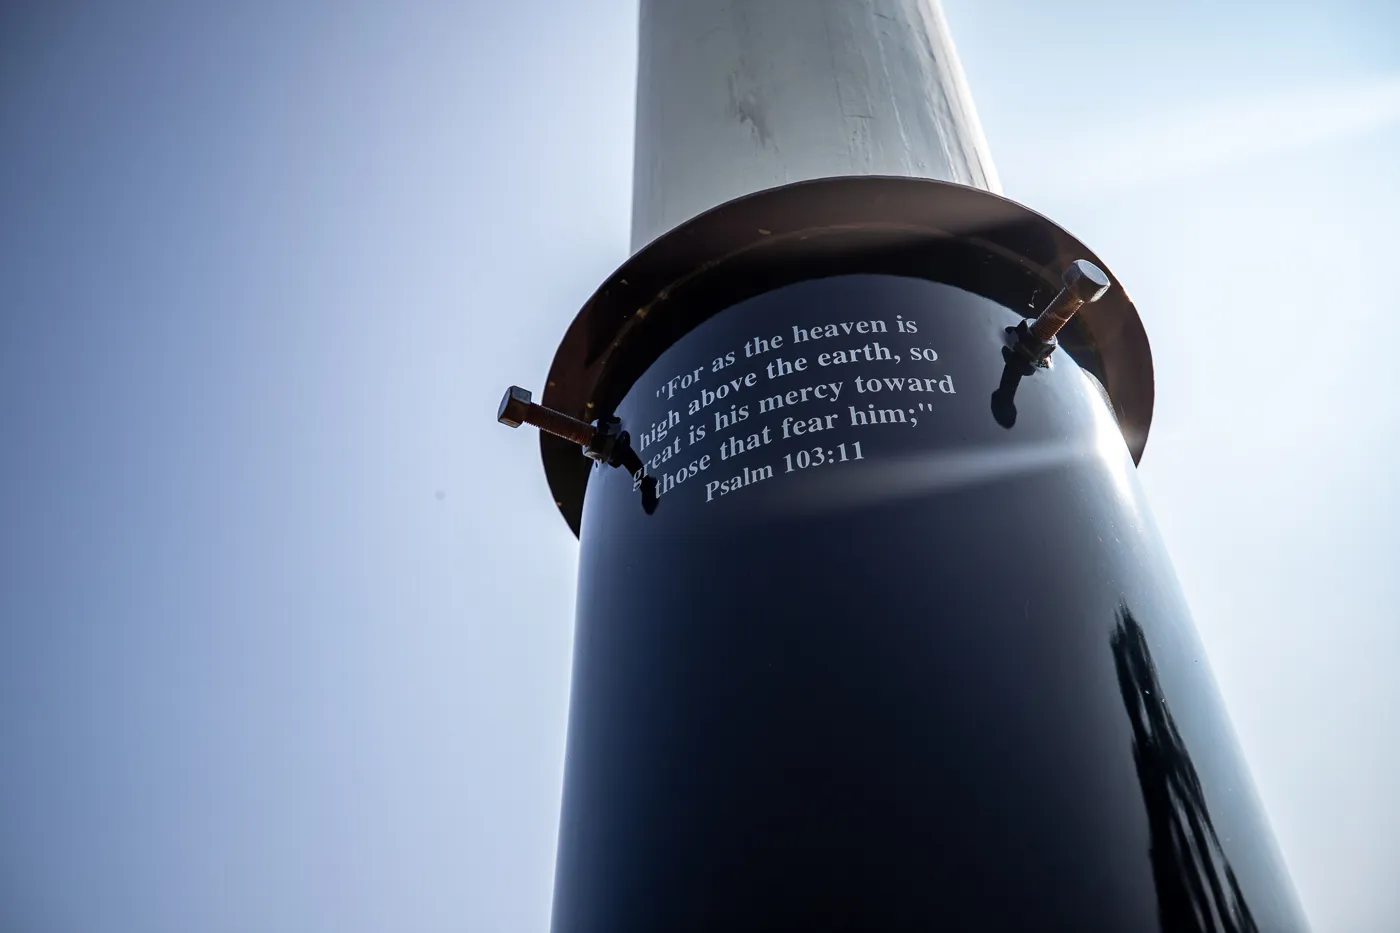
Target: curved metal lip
x,y
913,209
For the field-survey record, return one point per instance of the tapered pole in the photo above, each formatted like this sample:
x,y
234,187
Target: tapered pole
x,y
735,96
874,630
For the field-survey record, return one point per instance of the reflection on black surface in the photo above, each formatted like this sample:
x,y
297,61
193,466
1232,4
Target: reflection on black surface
x,y
1196,888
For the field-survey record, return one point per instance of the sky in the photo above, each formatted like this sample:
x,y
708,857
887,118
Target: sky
x,y
286,618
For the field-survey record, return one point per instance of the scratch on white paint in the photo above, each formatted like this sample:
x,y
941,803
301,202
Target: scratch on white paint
x,y
734,96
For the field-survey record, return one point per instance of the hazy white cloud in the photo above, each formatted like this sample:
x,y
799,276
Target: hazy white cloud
x,y
1168,146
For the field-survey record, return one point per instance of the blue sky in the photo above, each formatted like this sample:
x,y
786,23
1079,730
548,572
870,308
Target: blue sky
x,y
285,618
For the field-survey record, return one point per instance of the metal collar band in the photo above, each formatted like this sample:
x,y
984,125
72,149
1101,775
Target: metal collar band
x,y
945,232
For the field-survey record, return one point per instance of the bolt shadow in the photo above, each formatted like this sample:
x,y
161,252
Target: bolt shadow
x,y
1004,398
628,459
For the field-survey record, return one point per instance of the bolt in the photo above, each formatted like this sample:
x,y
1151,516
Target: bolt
x,y
1084,283
517,409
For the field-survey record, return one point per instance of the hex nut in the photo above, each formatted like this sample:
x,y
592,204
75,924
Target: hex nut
x,y
1085,281
514,404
